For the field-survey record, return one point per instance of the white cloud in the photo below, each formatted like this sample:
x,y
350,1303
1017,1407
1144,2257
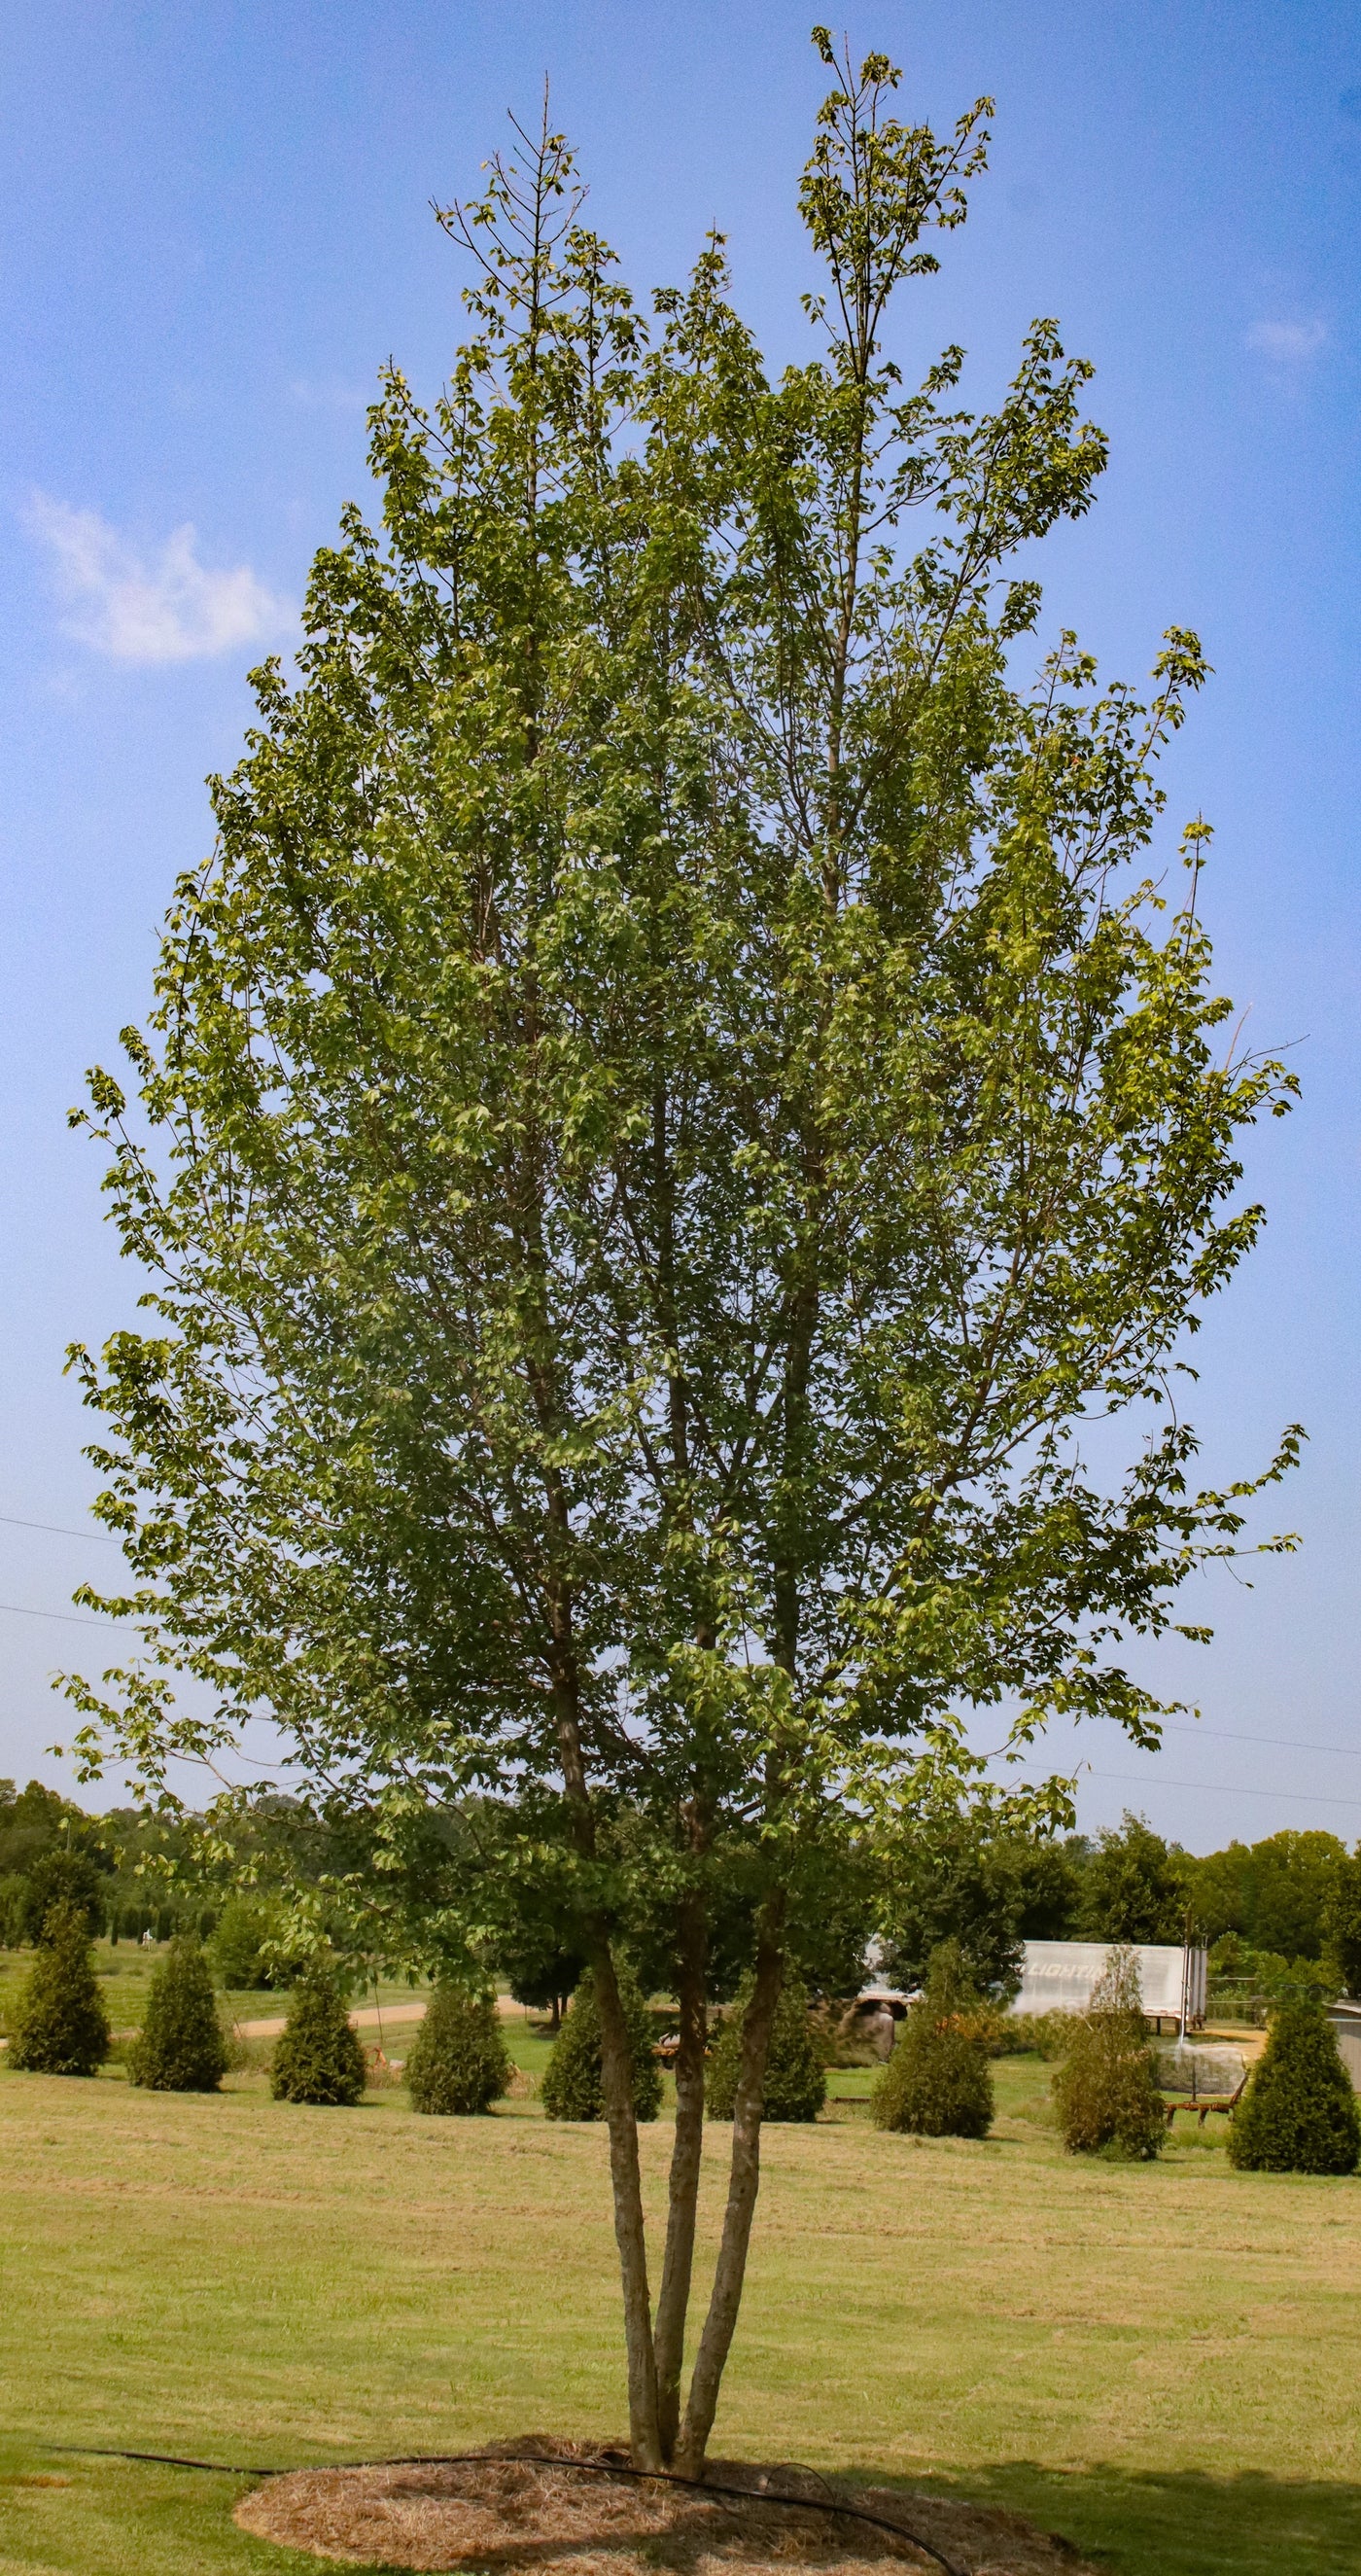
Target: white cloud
x,y
170,608
1289,343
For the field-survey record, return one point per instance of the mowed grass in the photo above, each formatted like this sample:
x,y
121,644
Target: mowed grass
x,y
1161,2362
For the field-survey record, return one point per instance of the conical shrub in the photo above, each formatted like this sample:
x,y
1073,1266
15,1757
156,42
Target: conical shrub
x,y
1106,2091
181,2047
938,2083
796,2079
1299,2113
572,2083
61,2026
459,2063
318,2057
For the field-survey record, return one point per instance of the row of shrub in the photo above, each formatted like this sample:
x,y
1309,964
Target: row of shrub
x,y
1299,2113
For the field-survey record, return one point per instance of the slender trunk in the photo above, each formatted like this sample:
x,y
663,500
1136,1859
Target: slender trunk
x,y
629,2227
615,2068
674,2296
743,2184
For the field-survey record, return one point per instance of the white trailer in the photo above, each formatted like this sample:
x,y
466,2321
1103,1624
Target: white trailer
x,y
1058,1976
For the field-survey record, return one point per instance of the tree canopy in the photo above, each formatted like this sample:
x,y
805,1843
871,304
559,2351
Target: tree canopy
x,y
669,1112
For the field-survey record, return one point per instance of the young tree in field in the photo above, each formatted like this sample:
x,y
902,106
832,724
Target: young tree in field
x,y
61,2026
668,1110
1106,2091
181,2047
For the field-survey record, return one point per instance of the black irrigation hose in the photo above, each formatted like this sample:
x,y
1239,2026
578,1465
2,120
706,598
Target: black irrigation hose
x,y
534,2460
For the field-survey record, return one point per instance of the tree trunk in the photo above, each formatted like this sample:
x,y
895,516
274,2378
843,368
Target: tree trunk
x,y
617,2084
674,2297
743,2184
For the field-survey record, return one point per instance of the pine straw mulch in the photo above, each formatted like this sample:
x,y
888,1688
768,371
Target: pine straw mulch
x,y
503,2514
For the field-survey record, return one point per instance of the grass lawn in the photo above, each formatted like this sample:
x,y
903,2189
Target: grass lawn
x,y
1161,2362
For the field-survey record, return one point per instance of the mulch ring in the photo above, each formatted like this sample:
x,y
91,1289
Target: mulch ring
x,y
503,2511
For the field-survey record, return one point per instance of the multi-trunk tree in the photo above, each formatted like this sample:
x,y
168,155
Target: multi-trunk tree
x,y
668,1112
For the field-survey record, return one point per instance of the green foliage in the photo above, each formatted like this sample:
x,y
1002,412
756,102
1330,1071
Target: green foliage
x,y
62,1877
1106,2090
1134,1887
459,2062
645,981
36,1820
181,2047
796,2078
318,2057
1342,1923
244,1947
541,1968
61,2027
937,2083
1048,2035
236,1946
571,2088
1299,2113
1244,1979
13,1903
1274,1895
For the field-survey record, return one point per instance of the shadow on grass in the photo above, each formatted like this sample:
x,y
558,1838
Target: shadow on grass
x,y
72,2516
1180,2523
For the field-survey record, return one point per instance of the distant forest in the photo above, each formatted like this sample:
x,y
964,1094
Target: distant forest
x,y
1284,1908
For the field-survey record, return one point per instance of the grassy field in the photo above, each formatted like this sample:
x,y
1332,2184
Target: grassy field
x,y
1161,2362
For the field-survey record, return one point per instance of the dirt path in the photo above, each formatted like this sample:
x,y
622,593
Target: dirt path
x,y
371,2017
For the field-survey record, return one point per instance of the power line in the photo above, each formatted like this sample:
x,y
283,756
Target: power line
x,y
55,1529
73,1618
1220,1788
1283,1743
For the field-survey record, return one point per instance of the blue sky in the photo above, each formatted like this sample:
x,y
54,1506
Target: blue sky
x,y
215,227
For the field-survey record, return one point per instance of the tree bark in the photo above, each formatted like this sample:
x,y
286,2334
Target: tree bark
x,y
673,2299
743,2185
629,2226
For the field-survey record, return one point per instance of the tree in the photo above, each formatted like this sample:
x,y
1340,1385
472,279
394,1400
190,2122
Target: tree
x,y
1134,1887
938,2083
795,2081
540,1970
1219,1892
1106,2091
664,1115
1342,1924
62,1876
61,2027
459,2063
318,2056
1289,1880
181,2047
1299,2113
574,2082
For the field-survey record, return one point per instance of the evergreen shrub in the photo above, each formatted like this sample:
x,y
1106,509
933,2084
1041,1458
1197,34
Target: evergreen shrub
x,y
937,2083
796,2078
61,2027
459,2063
319,2057
1299,2113
236,1944
1106,2091
572,2087
182,2047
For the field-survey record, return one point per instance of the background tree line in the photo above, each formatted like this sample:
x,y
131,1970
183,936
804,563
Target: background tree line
x,y
1289,1904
